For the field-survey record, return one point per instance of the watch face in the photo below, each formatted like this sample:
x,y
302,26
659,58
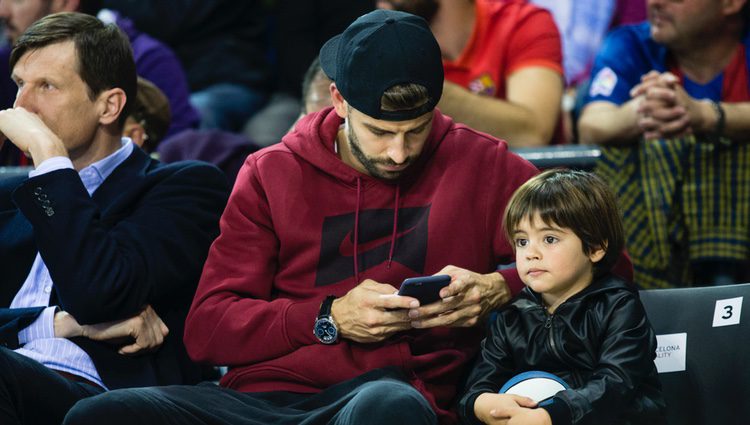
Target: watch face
x,y
326,330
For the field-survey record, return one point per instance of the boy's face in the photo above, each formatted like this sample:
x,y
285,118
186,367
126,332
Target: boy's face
x,y
551,261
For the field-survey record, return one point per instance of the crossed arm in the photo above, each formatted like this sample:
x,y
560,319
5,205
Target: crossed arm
x,y
141,333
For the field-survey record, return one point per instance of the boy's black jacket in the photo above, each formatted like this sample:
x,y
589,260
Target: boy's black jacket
x,y
599,341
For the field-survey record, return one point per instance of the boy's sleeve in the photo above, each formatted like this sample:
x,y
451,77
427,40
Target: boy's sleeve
x,y
493,367
626,359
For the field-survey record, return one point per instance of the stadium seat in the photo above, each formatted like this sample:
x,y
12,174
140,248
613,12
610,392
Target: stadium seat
x,y
703,353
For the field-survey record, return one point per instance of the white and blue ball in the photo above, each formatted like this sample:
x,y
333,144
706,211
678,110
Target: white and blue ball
x,y
536,385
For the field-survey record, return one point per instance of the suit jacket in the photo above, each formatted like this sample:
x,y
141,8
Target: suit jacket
x,y
140,239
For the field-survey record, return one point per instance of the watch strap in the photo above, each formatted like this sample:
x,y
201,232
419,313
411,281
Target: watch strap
x,y
325,306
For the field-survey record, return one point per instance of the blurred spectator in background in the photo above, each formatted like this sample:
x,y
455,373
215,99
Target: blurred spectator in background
x,y
225,149
316,93
149,118
222,46
583,25
302,26
669,102
153,60
503,65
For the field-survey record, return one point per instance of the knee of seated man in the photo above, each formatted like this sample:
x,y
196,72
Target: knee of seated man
x,y
112,405
392,402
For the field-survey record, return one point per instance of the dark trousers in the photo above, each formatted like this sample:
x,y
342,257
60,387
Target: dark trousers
x,y
377,397
32,394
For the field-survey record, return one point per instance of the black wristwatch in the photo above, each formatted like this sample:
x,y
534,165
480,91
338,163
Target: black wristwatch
x,y
325,328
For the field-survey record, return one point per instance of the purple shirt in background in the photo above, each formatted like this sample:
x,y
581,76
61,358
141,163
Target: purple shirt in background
x,y
156,62
629,12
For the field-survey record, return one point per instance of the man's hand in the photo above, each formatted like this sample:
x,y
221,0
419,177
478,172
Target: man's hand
x,y
468,299
502,409
371,312
143,332
30,134
666,110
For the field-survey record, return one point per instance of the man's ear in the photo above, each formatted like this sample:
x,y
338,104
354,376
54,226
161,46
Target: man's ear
x,y
339,104
110,104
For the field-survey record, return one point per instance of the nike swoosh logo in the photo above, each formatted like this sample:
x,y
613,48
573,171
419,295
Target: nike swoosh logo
x,y
346,248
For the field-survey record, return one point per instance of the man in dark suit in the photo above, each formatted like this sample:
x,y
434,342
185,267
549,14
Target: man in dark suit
x,y
101,247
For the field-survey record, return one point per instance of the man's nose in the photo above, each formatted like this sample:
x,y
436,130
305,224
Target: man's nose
x,y
24,99
397,149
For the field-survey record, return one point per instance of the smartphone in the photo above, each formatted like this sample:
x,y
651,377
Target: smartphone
x,y
424,288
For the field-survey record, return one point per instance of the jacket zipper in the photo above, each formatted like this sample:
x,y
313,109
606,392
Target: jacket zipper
x,y
548,326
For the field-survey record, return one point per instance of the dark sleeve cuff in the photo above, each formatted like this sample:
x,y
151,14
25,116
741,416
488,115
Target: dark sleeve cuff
x,y
12,320
300,319
559,412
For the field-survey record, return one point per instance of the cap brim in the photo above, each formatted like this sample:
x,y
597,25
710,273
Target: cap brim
x,y
328,55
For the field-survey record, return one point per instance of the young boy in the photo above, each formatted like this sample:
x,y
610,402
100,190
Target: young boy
x,y
574,319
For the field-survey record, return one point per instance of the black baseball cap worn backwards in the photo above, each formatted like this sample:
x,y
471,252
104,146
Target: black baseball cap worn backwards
x,y
379,50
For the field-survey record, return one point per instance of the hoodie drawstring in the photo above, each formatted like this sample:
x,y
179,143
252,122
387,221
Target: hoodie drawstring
x,y
356,227
356,230
395,226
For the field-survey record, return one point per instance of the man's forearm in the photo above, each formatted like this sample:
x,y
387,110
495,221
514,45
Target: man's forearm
x,y
606,123
518,125
736,121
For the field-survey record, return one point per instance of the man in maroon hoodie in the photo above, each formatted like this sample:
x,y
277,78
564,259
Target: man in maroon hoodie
x,y
298,295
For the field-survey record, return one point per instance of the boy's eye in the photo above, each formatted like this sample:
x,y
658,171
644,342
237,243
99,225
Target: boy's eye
x,y
521,242
550,239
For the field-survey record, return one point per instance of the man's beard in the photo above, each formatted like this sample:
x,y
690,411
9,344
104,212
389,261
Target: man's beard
x,y
370,163
424,8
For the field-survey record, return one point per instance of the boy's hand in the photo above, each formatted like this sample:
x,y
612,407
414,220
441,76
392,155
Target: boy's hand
x,y
525,416
501,409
